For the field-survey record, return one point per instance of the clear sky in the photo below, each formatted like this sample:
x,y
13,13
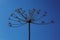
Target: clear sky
x,y
38,32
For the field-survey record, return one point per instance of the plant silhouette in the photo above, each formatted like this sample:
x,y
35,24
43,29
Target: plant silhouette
x,y
21,17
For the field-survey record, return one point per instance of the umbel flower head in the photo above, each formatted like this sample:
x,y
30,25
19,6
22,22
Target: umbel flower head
x,y
20,17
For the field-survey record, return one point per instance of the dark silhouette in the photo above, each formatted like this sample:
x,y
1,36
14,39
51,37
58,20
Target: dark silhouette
x,y
32,16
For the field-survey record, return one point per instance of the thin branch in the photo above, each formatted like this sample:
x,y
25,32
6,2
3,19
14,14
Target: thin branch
x,y
42,23
15,25
18,18
40,17
20,11
31,13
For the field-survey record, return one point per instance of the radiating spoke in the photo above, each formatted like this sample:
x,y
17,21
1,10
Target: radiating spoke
x,y
41,17
21,12
15,25
31,13
17,18
43,23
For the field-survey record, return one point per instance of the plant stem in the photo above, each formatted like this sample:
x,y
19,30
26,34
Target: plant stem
x,y
29,31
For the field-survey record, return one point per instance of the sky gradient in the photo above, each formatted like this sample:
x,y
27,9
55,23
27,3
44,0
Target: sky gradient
x,y
38,32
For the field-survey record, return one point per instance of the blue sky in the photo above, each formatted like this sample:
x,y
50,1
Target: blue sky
x,y
38,32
